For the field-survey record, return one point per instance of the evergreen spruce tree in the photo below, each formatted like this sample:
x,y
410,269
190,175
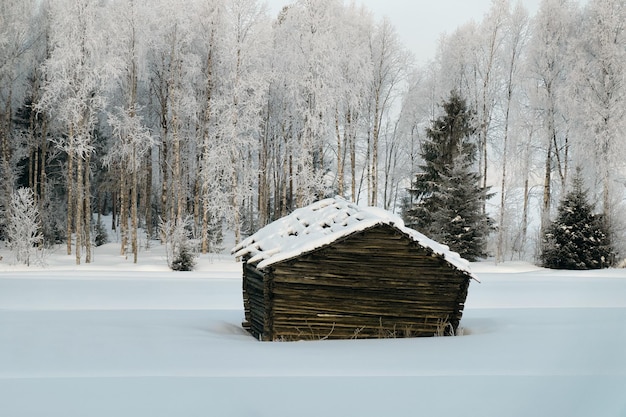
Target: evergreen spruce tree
x,y
446,199
578,238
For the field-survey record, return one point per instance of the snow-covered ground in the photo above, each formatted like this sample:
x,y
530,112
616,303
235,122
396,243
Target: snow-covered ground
x,y
113,339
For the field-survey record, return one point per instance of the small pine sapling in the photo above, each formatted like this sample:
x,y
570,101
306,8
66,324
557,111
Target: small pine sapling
x,y
178,248
102,236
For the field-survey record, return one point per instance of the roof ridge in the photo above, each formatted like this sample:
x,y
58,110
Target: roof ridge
x,y
322,223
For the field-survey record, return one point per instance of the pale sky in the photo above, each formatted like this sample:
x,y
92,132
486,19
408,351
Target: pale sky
x,y
420,23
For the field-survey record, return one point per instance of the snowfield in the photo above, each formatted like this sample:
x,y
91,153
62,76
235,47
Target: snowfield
x,y
113,339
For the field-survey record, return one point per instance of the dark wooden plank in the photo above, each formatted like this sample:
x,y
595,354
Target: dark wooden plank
x,y
376,283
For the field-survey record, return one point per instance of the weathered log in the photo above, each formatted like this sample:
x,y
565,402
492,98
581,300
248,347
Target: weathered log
x,y
374,283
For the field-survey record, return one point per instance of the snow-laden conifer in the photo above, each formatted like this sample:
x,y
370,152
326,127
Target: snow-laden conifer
x,y
447,199
578,238
178,248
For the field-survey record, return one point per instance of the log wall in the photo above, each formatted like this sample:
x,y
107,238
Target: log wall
x,y
376,283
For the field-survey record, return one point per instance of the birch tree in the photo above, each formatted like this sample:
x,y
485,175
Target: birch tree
x,y
237,102
307,70
17,38
389,63
211,18
489,44
73,94
455,65
173,65
549,47
353,87
517,31
601,91
132,140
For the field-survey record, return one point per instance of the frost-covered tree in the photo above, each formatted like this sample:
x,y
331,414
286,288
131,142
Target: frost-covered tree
x,y
253,116
173,65
306,65
24,226
578,238
132,143
389,64
73,96
549,65
447,198
491,39
600,91
517,30
131,139
353,87
459,220
470,61
239,106
17,39
231,95
178,248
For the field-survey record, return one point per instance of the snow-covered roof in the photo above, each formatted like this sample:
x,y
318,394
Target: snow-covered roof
x,y
322,223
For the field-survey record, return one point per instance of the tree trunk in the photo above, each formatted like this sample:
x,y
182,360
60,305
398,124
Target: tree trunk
x,y
147,199
78,218
114,214
235,166
195,209
524,232
606,194
375,138
70,195
263,183
391,160
353,167
123,216
133,207
289,197
340,159
552,148
5,163
164,163
33,166
205,219
547,195
177,179
43,176
501,224
205,192
206,215
235,205
87,199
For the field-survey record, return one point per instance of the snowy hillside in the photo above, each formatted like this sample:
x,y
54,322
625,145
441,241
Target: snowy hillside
x,y
115,339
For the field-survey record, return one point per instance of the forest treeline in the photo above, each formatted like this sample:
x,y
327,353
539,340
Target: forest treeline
x,y
214,114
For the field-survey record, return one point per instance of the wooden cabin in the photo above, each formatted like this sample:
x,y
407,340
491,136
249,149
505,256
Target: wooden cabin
x,y
335,270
